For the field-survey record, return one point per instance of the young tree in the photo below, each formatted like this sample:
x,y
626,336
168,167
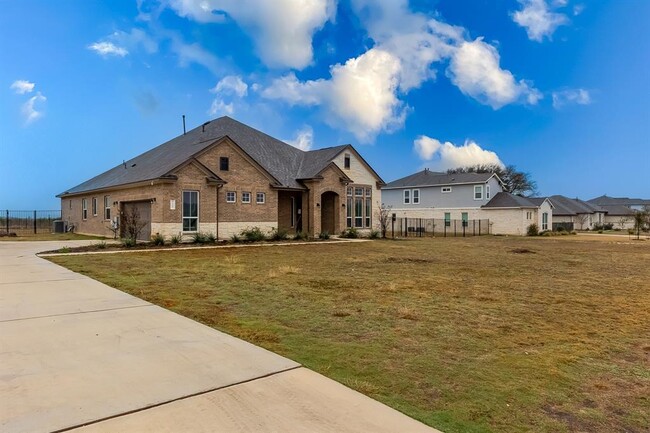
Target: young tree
x,y
132,223
640,221
514,181
622,221
582,219
384,218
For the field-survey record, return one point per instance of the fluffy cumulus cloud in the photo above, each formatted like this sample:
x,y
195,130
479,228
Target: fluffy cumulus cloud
x,y
22,86
304,138
475,69
360,96
443,156
571,96
229,87
107,49
282,29
231,84
363,95
31,110
539,20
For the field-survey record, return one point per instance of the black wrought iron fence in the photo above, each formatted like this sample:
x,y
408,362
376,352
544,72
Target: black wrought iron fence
x,y
420,227
26,222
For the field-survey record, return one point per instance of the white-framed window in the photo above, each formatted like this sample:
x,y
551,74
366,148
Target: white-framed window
x,y
416,196
260,198
346,161
445,189
245,197
231,197
478,192
84,208
94,204
407,196
107,207
358,211
529,215
447,219
190,211
487,191
545,221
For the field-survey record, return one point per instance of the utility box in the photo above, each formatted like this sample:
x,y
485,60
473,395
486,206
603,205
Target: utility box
x,y
59,226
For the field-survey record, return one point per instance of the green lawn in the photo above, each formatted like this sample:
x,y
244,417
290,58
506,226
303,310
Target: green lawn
x,y
487,334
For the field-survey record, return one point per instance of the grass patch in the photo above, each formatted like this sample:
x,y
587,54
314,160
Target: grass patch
x,y
50,237
462,334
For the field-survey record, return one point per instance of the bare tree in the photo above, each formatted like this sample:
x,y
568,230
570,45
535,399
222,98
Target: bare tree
x,y
384,218
132,223
582,219
640,221
622,221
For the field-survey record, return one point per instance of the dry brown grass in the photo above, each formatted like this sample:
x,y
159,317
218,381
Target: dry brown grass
x,y
464,334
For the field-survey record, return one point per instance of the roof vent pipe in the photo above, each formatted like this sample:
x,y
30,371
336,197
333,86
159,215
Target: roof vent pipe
x,y
203,126
183,124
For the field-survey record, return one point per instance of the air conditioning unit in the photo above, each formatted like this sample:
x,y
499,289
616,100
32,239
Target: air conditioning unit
x,y
59,226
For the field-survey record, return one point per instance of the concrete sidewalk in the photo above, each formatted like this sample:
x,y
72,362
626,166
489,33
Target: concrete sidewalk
x,y
76,352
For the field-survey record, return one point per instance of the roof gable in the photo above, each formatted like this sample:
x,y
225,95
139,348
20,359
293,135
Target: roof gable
x,y
432,178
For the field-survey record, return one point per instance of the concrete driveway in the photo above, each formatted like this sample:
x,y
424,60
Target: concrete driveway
x,y
76,354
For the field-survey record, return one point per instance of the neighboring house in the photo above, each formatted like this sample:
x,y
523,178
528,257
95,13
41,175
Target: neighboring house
x,y
620,210
512,214
225,176
583,215
464,196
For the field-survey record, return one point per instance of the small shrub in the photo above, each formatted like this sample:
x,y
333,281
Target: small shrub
x,y
278,235
601,231
128,242
101,245
158,239
608,226
561,229
300,236
323,235
64,250
211,238
546,233
351,233
573,232
235,239
175,239
630,231
374,234
199,238
532,230
253,234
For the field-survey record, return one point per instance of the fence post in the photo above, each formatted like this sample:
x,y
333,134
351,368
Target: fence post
x,y
7,222
455,231
479,228
393,225
473,227
34,222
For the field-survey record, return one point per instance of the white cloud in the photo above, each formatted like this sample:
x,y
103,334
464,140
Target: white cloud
x,y
220,108
475,69
538,19
194,53
304,138
29,109
134,39
443,156
571,96
22,86
282,29
106,49
231,85
360,96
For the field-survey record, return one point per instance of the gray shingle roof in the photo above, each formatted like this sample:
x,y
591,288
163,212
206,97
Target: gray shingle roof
x,y
565,206
507,200
618,210
434,178
604,200
282,161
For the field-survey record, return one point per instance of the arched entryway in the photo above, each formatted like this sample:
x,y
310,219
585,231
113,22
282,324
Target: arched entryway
x,y
329,215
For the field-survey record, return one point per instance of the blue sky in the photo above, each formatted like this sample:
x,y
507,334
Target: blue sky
x,y
559,88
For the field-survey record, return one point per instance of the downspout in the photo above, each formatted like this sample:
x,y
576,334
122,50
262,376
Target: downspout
x,y
216,204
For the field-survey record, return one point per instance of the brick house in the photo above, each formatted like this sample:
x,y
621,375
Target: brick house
x,y
224,176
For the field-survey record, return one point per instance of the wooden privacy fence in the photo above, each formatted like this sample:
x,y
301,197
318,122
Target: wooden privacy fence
x,y
421,227
26,222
